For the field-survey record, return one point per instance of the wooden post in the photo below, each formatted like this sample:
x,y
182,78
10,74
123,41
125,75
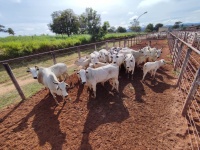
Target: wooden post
x,y
192,91
54,57
106,45
12,77
131,42
184,65
124,42
95,47
79,53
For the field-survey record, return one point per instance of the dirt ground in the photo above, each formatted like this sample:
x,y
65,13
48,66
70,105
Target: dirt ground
x,y
141,116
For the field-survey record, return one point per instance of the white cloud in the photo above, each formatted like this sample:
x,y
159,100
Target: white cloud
x,y
148,3
134,17
104,12
130,13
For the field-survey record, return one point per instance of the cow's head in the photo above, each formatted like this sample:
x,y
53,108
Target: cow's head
x,y
159,51
33,71
82,75
61,88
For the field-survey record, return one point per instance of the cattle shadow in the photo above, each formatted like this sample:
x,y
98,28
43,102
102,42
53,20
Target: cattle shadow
x,y
135,82
45,123
106,108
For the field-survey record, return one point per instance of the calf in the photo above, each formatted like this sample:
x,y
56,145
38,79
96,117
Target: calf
x,y
152,67
102,74
83,63
130,64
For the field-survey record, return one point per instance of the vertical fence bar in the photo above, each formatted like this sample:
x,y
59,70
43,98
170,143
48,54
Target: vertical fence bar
x,y
54,57
192,91
124,42
174,49
12,77
106,45
184,65
131,41
79,53
95,47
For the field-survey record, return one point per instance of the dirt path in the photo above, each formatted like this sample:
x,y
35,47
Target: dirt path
x,y
141,116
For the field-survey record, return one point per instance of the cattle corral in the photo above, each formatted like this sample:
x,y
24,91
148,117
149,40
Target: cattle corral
x,y
141,116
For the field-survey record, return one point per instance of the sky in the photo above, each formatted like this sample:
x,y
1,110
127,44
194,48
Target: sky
x,y
30,17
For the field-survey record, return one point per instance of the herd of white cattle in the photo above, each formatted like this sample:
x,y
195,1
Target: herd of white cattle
x,y
99,67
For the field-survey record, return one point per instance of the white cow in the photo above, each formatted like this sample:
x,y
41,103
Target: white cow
x,y
94,56
102,74
49,80
129,64
118,59
83,63
104,55
152,67
59,69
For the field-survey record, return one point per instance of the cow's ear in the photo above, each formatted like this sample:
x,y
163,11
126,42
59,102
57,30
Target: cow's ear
x,y
28,69
36,67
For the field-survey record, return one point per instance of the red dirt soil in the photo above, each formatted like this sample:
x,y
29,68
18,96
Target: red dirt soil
x,y
141,116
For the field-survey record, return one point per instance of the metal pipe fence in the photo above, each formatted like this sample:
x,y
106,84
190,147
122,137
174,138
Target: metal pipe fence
x,y
186,61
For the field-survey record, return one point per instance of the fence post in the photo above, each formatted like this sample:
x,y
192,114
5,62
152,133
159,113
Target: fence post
x,y
124,42
174,49
192,91
54,57
95,47
184,65
106,45
179,53
79,53
131,41
12,77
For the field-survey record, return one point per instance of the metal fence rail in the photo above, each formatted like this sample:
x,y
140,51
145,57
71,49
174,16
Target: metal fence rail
x,y
186,61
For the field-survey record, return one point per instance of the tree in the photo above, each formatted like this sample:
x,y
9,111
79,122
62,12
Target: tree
x,y
149,27
121,29
135,26
2,28
105,27
112,30
92,23
176,25
10,31
157,26
64,22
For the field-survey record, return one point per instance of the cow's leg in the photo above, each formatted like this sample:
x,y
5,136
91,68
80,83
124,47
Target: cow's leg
x,y
94,89
132,74
144,74
154,73
54,96
117,84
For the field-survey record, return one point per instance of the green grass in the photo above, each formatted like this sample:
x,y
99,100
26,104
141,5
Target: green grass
x,y
16,46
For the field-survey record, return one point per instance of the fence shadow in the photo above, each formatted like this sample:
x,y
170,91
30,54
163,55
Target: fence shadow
x,y
45,123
